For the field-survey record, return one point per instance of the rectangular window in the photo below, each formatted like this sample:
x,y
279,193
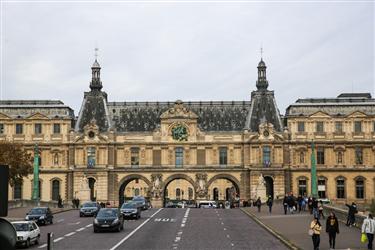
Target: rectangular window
x,y
156,157
17,190
319,127
322,188
301,126
340,188
358,156
179,157
56,128
91,157
134,157
1,128
357,126
223,156
302,187
359,189
338,127
320,156
201,157
19,129
266,156
38,128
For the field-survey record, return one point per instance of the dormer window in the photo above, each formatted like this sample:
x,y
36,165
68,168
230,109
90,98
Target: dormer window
x,y
357,126
38,128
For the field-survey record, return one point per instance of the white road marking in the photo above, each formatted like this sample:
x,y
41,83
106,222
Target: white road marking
x,y
157,219
222,223
225,229
80,229
177,239
69,234
182,225
227,235
232,244
44,245
58,239
89,225
135,230
74,223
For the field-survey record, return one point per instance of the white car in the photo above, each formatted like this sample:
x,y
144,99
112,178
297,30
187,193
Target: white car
x,y
27,232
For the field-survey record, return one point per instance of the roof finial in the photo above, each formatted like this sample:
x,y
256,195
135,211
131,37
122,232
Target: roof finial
x,y
96,53
261,51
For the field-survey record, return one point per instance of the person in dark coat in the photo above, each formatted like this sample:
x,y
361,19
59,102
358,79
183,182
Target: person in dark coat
x,y
269,203
332,228
351,214
258,203
59,202
309,205
315,207
299,201
285,204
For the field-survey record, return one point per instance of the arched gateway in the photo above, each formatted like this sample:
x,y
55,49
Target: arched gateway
x,y
130,178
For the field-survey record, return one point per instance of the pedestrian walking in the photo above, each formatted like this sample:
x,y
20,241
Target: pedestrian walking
x,y
269,203
258,204
59,202
320,209
314,205
309,204
315,228
299,201
368,227
332,228
285,204
352,210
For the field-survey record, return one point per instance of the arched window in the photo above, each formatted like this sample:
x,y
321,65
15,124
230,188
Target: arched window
x,y
136,192
55,190
302,186
360,188
17,194
340,188
178,194
322,187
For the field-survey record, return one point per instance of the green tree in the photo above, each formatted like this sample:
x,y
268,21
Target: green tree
x,y
18,160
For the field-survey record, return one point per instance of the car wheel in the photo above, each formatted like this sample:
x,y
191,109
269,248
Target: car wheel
x,y
122,226
51,221
138,216
37,240
80,215
95,230
27,243
119,228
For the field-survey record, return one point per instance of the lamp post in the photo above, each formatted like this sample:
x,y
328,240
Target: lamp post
x,y
36,196
314,188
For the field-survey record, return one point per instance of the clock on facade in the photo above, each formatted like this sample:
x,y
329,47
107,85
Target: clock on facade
x,y
266,133
179,133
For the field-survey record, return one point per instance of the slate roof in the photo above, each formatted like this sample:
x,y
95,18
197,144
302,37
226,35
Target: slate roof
x,y
345,104
145,116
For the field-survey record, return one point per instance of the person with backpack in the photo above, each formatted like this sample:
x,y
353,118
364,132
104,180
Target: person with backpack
x,y
368,228
332,228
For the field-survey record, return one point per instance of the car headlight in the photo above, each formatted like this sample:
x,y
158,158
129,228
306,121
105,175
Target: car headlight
x,y
96,221
115,221
42,217
27,217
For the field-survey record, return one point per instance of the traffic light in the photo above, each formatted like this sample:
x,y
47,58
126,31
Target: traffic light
x,y
4,174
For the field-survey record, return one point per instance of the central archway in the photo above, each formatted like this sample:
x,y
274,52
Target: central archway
x,y
223,187
133,185
178,187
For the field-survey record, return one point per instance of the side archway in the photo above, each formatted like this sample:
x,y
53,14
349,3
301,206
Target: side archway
x,y
187,193
129,178
224,187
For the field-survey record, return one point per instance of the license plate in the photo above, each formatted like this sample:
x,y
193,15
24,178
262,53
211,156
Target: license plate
x,y
105,225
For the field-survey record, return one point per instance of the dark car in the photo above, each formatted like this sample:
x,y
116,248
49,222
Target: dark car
x,y
89,209
41,215
141,201
131,210
108,219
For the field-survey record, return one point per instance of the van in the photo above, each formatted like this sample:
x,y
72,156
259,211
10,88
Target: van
x,y
207,204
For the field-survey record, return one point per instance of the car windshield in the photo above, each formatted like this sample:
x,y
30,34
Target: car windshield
x,y
37,211
21,226
138,199
107,213
89,205
128,205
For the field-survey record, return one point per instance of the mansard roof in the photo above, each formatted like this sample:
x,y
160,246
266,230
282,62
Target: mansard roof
x,y
212,116
345,104
26,108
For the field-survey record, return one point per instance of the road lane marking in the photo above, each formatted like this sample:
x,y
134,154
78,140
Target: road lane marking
x,y
89,225
182,225
69,234
135,230
61,220
44,245
74,223
58,239
80,229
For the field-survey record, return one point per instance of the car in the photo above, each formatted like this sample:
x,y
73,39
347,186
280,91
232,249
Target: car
x,y
108,219
131,210
142,202
27,232
41,215
207,204
324,200
89,209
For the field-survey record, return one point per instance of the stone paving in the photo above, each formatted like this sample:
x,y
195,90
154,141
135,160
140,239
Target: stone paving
x,y
294,227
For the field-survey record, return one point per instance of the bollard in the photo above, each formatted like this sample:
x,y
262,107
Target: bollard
x,y
49,241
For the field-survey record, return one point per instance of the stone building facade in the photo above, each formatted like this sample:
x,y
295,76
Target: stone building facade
x,y
196,150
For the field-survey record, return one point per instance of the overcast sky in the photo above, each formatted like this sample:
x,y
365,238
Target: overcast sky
x,y
189,51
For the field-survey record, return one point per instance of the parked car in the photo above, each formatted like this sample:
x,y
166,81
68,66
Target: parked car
x,y
207,204
131,210
89,209
141,201
109,219
171,204
41,215
27,232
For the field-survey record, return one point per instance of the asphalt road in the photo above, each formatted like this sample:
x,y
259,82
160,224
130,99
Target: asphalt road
x,y
169,228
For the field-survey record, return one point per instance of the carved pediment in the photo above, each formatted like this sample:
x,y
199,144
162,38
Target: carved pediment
x,y
320,114
37,116
357,114
178,111
4,116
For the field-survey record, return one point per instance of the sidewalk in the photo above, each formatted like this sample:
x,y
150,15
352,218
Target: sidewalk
x,y
20,213
294,228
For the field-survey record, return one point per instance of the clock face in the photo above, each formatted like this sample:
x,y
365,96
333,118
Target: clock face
x,y
179,133
266,133
91,134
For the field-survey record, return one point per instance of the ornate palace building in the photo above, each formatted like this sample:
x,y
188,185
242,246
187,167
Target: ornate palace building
x,y
185,150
